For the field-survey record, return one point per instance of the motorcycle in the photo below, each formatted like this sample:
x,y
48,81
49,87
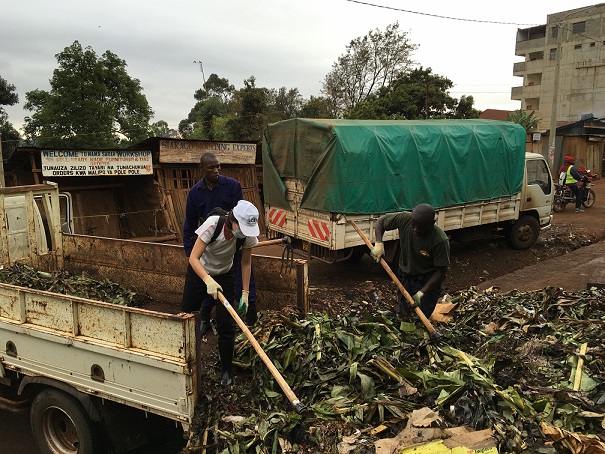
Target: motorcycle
x,y
564,195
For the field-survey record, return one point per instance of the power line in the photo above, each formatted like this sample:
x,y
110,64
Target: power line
x,y
438,15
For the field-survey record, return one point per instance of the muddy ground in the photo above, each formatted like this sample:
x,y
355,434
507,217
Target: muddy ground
x,y
351,286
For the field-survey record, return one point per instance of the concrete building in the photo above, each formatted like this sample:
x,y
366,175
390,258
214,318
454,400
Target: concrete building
x,y
574,39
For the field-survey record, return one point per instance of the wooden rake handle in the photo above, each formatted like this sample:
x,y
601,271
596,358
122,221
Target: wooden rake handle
x,y
425,321
298,406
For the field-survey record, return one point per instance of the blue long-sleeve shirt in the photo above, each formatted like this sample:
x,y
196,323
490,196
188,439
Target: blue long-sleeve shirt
x,y
201,200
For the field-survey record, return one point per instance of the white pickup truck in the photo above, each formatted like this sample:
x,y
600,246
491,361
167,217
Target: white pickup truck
x,y
318,174
86,369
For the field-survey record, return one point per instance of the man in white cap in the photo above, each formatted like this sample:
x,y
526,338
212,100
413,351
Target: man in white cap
x,y
212,260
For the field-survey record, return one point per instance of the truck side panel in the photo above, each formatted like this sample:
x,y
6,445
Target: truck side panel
x,y
158,270
128,355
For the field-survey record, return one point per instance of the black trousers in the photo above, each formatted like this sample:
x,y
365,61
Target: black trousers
x,y
194,293
413,284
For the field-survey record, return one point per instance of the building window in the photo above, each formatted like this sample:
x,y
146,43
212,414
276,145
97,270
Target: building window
x,y
553,54
578,46
579,27
593,44
554,32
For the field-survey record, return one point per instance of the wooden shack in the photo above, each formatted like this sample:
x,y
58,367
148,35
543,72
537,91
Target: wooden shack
x,y
138,193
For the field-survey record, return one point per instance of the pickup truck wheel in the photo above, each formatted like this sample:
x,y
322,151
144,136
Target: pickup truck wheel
x,y
525,232
60,424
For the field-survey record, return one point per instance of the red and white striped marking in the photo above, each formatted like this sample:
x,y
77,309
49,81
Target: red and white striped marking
x,y
277,217
318,229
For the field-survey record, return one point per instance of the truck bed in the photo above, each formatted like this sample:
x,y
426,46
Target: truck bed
x,y
142,358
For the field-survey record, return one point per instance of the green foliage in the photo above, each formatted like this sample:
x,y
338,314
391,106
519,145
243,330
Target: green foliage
x,y
370,63
159,129
92,103
529,121
254,107
414,95
317,107
10,136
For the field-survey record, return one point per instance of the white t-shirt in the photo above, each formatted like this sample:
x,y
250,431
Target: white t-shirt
x,y
218,256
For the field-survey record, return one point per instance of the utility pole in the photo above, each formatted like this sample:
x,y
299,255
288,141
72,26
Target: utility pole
x,y
1,164
555,98
199,62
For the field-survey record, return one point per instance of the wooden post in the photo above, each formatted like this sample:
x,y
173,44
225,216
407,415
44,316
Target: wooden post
x,y
1,164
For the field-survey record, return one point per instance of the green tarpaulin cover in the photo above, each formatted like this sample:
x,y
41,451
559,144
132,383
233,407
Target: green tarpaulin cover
x,y
373,166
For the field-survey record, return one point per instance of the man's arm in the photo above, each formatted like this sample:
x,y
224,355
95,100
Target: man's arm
x,y
435,280
190,225
574,173
235,188
377,251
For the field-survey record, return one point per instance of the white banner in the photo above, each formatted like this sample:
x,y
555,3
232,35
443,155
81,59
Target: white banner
x,y
67,163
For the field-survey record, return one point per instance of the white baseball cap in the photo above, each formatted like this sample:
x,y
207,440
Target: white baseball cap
x,y
247,218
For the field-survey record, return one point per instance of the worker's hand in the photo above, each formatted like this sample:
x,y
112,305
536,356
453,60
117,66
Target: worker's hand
x,y
242,309
377,251
417,297
212,287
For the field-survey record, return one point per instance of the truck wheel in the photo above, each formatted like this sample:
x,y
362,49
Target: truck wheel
x,y
559,206
60,425
590,199
357,253
525,232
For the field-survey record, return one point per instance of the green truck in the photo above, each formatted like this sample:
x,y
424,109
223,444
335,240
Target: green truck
x,y
319,173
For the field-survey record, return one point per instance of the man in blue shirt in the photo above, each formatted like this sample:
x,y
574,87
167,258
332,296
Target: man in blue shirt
x,y
212,191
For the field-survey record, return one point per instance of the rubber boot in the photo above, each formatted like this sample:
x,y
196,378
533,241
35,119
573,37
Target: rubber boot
x,y
225,351
251,315
205,320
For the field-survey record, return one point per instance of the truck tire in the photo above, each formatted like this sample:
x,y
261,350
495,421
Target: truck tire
x,y
60,424
525,232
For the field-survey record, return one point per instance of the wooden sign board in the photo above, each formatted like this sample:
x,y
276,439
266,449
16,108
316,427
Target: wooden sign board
x,y
86,163
190,152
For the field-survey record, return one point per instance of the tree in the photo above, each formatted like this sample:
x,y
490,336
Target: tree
x,y
213,101
415,95
317,107
215,86
92,103
465,108
286,103
529,121
253,107
10,136
370,63
159,129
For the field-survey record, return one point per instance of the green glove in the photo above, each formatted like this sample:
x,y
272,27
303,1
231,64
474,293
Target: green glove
x,y
242,309
417,297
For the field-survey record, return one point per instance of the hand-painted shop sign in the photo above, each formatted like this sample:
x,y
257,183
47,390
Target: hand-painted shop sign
x,y
190,151
81,163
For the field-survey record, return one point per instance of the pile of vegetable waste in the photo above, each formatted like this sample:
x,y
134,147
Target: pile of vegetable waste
x,y
528,366
65,283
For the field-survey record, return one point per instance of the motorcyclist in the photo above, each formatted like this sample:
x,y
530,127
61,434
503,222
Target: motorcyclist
x,y
572,178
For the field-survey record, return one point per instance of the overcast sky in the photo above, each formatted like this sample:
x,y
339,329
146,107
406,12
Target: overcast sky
x,y
283,43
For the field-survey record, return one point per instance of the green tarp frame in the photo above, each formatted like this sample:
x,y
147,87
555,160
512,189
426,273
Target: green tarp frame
x,y
373,166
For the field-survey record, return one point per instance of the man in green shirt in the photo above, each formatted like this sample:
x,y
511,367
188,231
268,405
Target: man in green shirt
x,y
424,255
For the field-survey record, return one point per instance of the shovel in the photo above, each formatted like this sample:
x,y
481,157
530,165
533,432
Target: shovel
x,y
298,406
425,321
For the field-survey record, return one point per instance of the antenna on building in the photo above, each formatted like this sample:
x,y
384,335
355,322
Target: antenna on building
x,y
199,62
